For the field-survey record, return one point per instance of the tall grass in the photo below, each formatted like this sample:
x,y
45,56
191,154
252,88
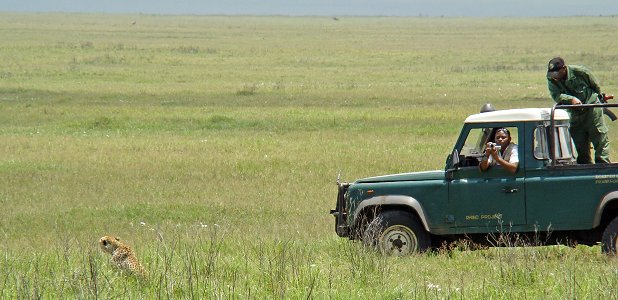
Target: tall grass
x,y
211,146
208,264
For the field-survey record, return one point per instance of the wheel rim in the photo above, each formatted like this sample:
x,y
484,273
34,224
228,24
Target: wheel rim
x,y
398,240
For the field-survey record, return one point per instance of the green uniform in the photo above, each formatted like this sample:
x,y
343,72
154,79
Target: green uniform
x,y
587,125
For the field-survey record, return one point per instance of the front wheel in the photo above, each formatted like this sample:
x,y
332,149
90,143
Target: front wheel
x,y
397,233
610,237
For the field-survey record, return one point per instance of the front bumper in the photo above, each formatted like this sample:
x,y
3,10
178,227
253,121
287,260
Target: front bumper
x,y
341,211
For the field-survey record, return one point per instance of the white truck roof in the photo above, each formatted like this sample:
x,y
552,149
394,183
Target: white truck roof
x,y
518,115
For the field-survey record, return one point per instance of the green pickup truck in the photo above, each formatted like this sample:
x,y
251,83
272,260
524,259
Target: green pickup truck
x,y
550,199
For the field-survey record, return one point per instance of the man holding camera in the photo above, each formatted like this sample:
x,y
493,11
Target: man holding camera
x,y
575,85
502,152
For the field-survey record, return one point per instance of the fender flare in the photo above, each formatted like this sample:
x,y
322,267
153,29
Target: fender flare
x,y
599,213
387,200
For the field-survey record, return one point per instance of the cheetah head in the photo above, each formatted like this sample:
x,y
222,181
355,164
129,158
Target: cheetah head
x,y
109,244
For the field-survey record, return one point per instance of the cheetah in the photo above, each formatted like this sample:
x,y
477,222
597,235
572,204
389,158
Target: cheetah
x,y
122,255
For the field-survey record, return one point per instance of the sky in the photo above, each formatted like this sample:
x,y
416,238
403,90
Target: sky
x,y
472,8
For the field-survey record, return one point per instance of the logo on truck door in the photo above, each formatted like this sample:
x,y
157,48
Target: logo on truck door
x,y
496,216
603,179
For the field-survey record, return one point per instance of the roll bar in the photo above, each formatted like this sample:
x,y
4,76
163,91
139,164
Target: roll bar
x,y
552,130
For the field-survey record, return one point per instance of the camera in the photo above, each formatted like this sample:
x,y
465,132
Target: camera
x,y
495,146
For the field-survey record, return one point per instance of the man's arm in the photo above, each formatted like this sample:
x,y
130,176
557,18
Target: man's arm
x,y
591,80
556,93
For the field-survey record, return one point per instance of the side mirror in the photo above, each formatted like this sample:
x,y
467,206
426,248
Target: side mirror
x,y
453,164
455,159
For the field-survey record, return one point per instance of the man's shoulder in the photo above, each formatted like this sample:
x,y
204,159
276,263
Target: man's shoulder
x,y
579,69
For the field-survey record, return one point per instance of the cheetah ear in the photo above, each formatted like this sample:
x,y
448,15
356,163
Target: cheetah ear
x,y
117,238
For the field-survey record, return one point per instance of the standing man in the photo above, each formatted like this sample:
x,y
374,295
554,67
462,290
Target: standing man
x,y
575,85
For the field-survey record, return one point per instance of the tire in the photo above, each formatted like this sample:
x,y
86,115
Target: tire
x,y
397,233
610,238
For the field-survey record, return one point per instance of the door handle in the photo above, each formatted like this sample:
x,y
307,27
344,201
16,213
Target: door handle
x,y
509,190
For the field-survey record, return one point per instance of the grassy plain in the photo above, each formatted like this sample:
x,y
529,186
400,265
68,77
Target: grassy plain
x,y
212,144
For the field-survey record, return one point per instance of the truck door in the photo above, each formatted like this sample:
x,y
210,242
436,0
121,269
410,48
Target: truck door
x,y
564,197
490,200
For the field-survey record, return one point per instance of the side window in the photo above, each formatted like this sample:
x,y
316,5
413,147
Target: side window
x,y
541,149
474,145
563,144
564,148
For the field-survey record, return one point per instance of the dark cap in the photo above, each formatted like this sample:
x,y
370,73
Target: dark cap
x,y
554,66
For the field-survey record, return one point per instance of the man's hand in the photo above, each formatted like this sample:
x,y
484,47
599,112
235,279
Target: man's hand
x,y
489,150
575,101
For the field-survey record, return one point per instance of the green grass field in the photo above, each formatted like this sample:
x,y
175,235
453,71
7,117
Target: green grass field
x,y
211,145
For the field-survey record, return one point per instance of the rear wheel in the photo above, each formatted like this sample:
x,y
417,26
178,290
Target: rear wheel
x,y
397,233
610,237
